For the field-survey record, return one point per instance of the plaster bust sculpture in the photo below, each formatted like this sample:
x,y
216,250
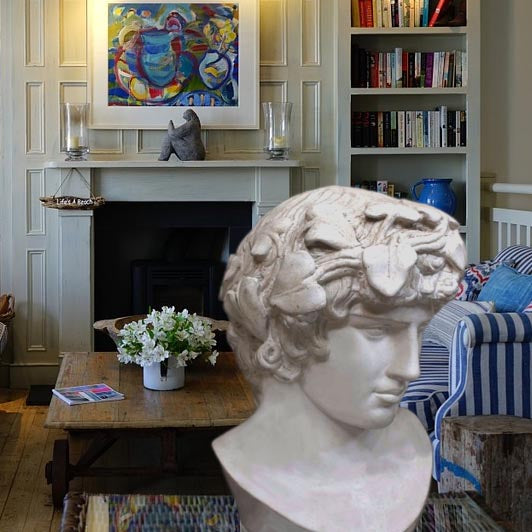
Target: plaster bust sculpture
x,y
327,298
185,140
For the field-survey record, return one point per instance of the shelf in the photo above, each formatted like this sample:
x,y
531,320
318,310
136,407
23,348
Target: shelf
x,y
173,163
407,90
457,30
408,151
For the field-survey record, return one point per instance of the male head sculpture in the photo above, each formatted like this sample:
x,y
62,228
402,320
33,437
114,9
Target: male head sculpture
x,y
327,297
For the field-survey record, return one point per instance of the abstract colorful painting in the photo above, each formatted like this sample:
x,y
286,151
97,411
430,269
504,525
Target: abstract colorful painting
x,y
173,54
149,59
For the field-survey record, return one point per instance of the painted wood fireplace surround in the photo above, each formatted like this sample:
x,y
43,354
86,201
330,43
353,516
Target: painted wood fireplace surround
x,y
263,183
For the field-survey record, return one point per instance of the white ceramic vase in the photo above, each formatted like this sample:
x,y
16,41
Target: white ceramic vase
x,y
156,377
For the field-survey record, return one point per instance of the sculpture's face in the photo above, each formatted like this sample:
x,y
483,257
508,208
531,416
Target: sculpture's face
x,y
372,359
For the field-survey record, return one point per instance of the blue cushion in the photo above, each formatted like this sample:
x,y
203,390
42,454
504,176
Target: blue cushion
x,y
441,328
510,290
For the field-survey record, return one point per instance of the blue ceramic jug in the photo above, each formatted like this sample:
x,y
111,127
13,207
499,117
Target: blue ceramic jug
x,y
436,192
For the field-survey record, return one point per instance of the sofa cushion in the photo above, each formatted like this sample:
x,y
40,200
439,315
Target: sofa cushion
x,y
441,328
521,256
476,276
510,290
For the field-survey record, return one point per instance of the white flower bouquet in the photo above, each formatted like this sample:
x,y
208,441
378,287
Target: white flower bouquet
x,y
167,333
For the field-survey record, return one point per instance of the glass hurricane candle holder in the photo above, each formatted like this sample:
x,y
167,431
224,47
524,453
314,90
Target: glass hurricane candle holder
x,y
277,129
75,130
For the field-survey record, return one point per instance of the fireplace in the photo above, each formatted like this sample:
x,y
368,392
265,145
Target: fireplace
x,y
150,254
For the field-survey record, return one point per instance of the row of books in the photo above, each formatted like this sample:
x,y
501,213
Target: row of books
x,y
409,129
383,186
398,69
396,13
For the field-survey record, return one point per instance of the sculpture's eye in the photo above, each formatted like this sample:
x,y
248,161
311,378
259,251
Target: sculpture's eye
x,y
374,333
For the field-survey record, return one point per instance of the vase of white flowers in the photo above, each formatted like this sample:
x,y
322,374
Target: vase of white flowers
x,y
163,343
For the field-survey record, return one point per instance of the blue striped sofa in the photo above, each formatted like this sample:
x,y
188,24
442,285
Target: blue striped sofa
x,y
487,372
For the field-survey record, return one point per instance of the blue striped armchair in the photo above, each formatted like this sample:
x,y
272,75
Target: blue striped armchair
x,y
488,370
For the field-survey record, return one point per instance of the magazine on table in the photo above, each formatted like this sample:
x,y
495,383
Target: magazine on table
x,y
89,393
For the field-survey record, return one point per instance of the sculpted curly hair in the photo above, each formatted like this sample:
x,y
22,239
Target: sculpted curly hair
x,y
312,258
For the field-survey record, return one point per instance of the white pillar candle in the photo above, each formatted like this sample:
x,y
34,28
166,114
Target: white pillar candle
x,y
73,143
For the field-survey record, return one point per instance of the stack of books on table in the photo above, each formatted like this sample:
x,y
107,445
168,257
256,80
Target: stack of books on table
x,y
88,393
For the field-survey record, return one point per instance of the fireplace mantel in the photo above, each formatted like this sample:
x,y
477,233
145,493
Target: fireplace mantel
x,y
263,183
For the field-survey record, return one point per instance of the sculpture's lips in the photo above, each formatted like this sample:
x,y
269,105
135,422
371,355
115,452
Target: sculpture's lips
x,y
391,397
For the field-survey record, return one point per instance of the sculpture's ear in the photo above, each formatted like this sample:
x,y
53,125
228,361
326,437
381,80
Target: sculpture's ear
x,y
170,126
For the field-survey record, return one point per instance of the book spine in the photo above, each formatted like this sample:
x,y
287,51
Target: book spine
x,y
373,133
411,69
423,76
401,13
417,69
374,69
379,14
431,129
426,142
437,129
356,130
362,67
443,126
355,73
404,65
362,11
406,13
457,129
428,69
450,129
441,69
452,75
374,11
393,128
387,131
392,68
408,129
399,67
446,70
463,128
401,129
368,8
365,129
355,14
419,129
436,13
464,69
425,14
382,74
458,68
380,129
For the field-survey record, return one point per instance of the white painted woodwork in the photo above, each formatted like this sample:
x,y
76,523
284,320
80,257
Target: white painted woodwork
x,y
405,166
36,278
43,50
512,188
34,33
261,182
35,220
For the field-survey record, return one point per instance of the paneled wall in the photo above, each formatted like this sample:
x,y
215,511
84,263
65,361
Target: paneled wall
x,y
43,57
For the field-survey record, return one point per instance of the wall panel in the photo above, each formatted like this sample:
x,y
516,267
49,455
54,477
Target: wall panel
x,y
36,295
273,33
34,33
310,116
35,117
72,33
35,219
310,33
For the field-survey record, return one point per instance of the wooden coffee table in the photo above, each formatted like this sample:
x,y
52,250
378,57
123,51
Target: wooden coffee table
x,y
213,398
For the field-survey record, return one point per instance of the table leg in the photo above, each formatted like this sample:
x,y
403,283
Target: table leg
x,y
57,472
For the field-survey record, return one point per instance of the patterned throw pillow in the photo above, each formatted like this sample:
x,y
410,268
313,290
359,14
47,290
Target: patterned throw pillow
x,y
476,276
441,328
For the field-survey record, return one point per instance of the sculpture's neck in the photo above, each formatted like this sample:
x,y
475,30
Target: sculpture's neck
x,y
296,421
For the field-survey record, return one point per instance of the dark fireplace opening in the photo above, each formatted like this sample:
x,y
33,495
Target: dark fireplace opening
x,y
151,254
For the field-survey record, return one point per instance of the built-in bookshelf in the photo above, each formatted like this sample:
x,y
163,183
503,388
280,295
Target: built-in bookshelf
x,y
397,95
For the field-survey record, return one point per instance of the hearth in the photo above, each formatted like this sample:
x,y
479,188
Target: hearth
x,y
150,254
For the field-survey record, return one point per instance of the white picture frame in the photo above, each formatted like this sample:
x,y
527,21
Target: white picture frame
x,y
127,46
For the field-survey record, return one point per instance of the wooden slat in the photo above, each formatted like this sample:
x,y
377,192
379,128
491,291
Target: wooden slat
x,y
212,397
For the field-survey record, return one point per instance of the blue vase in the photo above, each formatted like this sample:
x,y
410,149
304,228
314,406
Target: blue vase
x,y
437,193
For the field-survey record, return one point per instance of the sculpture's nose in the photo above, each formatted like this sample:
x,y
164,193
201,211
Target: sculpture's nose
x,y
405,363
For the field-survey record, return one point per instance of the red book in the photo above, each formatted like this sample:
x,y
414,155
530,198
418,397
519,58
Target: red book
x,y
436,14
362,10
368,12
374,69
